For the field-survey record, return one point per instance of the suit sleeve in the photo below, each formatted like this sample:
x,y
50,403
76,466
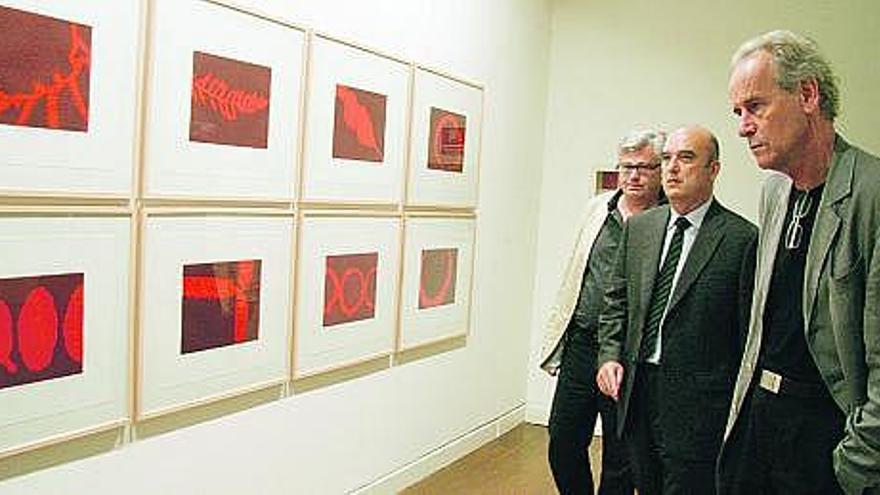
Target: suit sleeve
x,y
857,457
613,317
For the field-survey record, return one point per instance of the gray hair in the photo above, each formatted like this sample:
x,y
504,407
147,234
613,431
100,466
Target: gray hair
x,y
797,59
639,138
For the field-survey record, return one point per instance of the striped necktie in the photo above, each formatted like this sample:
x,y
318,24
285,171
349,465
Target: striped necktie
x,y
662,288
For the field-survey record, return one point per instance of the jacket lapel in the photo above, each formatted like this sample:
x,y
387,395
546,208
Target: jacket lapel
x,y
649,251
838,186
708,238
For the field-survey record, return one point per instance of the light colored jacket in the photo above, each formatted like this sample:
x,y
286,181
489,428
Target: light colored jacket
x,y
841,305
567,297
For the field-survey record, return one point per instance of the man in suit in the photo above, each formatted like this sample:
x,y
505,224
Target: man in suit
x,y
805,415
570,336
671,331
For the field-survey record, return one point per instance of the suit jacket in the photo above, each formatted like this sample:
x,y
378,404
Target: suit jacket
x,y
704,327
841,304
567,297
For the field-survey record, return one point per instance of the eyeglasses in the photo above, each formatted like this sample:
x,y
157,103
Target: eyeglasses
x,y
795,232
631,168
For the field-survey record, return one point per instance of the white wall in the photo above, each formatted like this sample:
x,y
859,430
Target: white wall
x,y
346,436
617,64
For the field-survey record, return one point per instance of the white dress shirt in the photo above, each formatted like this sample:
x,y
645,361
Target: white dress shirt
x,y
695,217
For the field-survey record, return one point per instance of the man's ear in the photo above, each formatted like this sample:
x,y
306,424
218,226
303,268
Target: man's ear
x,y
715,167
809,95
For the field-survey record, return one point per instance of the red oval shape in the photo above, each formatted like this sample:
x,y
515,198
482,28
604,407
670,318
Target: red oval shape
x,y
38,329
6,339
73,324
355,307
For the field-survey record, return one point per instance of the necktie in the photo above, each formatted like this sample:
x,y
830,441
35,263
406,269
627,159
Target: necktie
x,y
662,288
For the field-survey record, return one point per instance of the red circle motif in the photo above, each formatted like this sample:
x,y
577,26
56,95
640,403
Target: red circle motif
x,y
6,339
38,329
73,325
426,300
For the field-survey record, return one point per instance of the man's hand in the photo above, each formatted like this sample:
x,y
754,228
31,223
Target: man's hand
x,y
609,378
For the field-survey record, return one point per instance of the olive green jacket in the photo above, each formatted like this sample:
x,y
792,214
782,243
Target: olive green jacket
x,y
841,304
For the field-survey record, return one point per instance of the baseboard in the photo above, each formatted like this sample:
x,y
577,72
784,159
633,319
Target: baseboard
x,y
444,455
537,415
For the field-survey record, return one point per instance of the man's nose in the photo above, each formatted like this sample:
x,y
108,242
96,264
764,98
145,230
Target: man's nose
x,y
747,126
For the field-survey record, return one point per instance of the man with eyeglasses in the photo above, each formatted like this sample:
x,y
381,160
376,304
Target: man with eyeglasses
x,y
805,416
570,333
673,325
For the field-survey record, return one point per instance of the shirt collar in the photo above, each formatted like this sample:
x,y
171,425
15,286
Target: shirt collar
x,y
695,217
612,203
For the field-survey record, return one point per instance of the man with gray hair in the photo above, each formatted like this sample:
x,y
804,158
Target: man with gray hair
x,y
570,333
805,415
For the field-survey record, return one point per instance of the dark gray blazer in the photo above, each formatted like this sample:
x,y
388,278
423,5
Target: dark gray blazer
x,y
705,324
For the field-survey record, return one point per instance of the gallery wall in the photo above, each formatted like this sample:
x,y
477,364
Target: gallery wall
x,y
614,65
364,431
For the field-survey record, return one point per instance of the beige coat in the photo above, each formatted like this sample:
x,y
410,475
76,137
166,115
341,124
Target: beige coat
x,y
567,297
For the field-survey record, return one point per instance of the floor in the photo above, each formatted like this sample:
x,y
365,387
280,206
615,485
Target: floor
x,y
515,463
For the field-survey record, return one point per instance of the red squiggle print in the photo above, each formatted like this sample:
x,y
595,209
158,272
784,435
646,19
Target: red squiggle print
x,y
79,59
215,93
363,290
356,117
350,288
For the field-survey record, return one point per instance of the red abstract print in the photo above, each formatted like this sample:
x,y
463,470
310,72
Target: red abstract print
x,y
41,328
606,180
359,128
44,71
437,280
350,288
221,304
446,141
230,102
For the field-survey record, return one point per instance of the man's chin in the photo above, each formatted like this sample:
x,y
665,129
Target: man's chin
x,y
765,163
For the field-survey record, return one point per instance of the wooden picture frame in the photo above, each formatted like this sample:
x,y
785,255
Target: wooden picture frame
x,y
224,93
355,134
438,270
60,307
340,321
191,259
445,142
69,100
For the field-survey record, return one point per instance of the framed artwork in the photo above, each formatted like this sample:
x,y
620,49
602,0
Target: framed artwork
x,y
347,280
445,142
606,180
215,307
437,278
68,97
224,104
354,135
64,320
